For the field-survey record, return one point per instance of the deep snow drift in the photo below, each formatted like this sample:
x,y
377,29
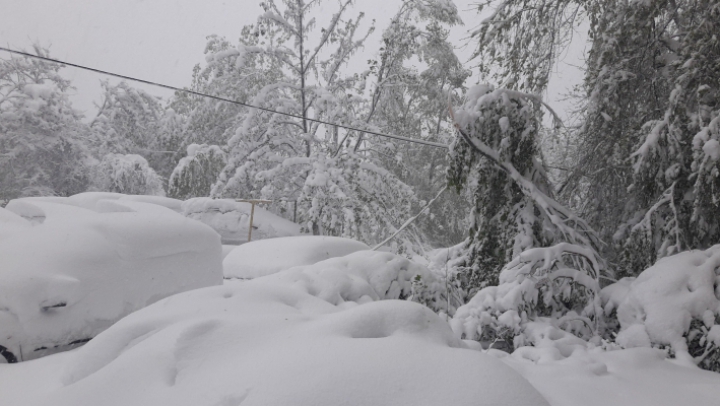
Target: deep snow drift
x,y
68,272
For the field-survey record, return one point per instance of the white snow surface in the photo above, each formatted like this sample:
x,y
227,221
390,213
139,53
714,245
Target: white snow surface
x,y
231,219
265,257
272,341
76,271
659,305
630,377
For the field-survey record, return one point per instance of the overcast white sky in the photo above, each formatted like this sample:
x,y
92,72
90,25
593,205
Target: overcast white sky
x,y
161,40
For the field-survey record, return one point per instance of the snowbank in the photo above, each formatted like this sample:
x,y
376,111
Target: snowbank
x,y
77,271
265,257
659,306
364,276
270,342
231,219
596,377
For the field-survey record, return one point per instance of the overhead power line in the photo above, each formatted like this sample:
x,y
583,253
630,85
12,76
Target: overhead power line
x,y
209,96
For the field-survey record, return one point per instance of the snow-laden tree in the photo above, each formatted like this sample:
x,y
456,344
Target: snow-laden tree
x,y
284,158
195,174
230,74
42,139
543,257
412,102
675,200
129,174
643,173
518,44
132,121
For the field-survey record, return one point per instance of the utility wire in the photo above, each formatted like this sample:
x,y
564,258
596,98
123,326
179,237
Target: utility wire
x,y
177,89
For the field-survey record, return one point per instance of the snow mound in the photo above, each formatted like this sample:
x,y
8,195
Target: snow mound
x,y
231,219
255,342
364,276
265,257
66,279
659,306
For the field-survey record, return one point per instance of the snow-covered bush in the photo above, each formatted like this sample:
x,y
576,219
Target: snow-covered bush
x,y
365,276
674,304
72,272
556,285
195,174
128,174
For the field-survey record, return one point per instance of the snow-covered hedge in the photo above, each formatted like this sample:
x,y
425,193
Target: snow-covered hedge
x,y
68,272
673,304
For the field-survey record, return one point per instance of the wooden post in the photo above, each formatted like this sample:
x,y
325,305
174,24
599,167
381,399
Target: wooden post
x,y
252,202
252,215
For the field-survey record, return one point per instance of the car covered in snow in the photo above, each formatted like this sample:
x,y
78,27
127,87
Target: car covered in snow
x,y
71,267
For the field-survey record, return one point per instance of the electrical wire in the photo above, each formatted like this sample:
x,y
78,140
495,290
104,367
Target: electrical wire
x,y
177,89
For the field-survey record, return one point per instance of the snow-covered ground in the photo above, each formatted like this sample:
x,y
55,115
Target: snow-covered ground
x,y
323,321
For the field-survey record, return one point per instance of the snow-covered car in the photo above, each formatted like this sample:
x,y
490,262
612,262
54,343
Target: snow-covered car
x,y
69,271
231,220
266,257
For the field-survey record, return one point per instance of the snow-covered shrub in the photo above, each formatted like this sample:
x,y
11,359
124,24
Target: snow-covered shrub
x,y
195,174
365,276
556,285
674,304
129,174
